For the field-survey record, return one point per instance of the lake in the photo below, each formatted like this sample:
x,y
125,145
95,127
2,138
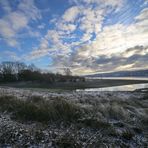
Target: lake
x,y
129,87
119,78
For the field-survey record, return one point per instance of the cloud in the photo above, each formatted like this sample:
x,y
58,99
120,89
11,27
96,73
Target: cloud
x,y
36,54
63,37
117,47
12,55
67,27
113,3
71,14
105,63
15,21
137,50
143,15
29,9
79,38
91,22
145,2
5,6
42,26
7,33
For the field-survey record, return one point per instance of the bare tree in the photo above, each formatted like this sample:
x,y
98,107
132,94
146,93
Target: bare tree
x,y
8,71
20,66
67,71
7,67
32,67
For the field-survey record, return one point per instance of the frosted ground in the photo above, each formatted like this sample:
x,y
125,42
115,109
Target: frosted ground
x,y
73,119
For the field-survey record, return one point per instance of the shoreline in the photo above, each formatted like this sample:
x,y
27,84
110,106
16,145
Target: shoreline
x,y
70,86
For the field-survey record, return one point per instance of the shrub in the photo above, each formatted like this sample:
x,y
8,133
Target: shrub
x,y
128,134
67,141
94,123
38,109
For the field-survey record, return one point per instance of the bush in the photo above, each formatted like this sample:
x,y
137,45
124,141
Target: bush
x,y
40,110
128,134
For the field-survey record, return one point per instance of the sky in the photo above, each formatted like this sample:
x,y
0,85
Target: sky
x,y
88,36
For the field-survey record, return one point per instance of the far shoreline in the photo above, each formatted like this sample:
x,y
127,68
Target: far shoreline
x,y
70,86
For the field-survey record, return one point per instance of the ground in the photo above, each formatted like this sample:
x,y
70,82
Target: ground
x,y
40,118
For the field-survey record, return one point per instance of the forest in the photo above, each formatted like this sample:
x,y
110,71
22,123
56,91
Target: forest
x,y
18,71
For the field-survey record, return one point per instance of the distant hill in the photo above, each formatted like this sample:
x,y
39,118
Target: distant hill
x,y
133,73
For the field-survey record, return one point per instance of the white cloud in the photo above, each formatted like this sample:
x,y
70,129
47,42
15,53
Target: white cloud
x,y
114,3
44,44
86,19
91,22
143,15
36,54
17,20
7,33
146,2
29,9
5,6
14,21
103,3
117,38
111,47
98,48
6,30
71,14
12,55
42,26
67,27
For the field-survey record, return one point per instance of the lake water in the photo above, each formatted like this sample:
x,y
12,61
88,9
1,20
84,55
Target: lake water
x,y
119,78
130,87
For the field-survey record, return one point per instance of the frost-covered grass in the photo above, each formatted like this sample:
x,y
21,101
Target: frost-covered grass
x,y
94,119
37,109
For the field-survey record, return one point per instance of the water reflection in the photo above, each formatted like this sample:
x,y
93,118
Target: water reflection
x,y
131,87
119,78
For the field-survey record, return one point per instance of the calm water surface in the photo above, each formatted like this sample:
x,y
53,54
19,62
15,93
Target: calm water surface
x,y
130,87
120,78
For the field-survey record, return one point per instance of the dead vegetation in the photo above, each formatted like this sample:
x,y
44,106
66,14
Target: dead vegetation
x,y
37,109
98,122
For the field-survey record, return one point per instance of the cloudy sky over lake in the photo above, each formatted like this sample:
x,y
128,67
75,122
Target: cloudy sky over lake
x,y
88,36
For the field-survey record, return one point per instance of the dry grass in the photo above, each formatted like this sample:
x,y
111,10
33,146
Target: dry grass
x,y
130,111
119,121
37,109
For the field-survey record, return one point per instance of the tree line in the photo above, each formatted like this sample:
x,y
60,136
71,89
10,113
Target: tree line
x,y
18,71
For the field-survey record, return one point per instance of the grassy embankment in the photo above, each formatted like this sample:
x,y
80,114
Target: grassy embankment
x,y
122,119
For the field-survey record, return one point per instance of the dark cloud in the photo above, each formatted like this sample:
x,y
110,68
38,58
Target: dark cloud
x,y
139,58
